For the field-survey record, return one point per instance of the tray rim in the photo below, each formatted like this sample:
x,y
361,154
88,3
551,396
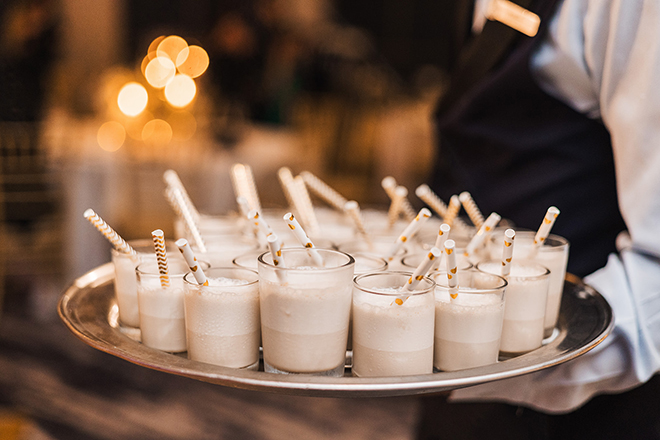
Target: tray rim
x,y
138,354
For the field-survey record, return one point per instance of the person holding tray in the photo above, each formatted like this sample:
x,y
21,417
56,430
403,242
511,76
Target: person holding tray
x,y
566,116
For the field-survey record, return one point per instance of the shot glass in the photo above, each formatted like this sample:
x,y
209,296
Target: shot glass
x,y
126,280
161,309
304,311
553,255
391,339
468,328
526,296
222,319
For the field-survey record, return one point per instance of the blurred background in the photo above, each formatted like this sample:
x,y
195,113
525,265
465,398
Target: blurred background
x,y
90,116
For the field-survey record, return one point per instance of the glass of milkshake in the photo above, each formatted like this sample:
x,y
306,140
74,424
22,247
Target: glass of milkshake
x,y
126,280
553,254
468,329
161,309
391,339
222,319
305,309
526,296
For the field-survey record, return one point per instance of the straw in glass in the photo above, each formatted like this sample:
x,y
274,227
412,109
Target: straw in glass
x,y
286,180
443,235
408,233
324,191
483,232
389,185
161,257
453,209
352,208
173,181
471,208
189,220
507,251
427,195
110,234
452,268
547,224
304,206
194,266
302,237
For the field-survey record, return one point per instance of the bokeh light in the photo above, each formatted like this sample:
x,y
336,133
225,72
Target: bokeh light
x,y
159,72
157,133
111,136
134,126
153,47
183,125
171,46
132,99
192,61
180,91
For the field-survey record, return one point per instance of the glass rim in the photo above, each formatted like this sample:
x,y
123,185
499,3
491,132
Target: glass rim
x,y
471,266
382,268
563,241
351,260
523,262
502,287
398,294
212,269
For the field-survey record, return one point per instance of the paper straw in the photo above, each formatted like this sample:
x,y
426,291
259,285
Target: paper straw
x,y
173,181
324,191
275,246
409,232
389,185
286,180
169,195
452,210
547,224
452,268
483,232
427,195
507,252
422,269
117,242
161,257
188,220
304,206
443,235
252,188
353,209
260,223
398,197
302,237
239,182
194,266
471,208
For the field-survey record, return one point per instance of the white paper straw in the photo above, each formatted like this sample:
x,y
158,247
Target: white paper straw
x,y
189,220
507,251
443,235
302,237
173,181
275,246
304,206
193,264
483,232
546,226
408,233
389,185
260,223
422,269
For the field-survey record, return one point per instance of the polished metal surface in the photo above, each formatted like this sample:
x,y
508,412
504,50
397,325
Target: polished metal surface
x,y
89,309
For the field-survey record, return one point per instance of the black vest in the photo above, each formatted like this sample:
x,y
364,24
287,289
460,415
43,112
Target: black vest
x,y
518,150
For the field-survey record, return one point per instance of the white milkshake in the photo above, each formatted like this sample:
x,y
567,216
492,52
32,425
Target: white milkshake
x,y
468,328
526,297
162,318
391,339
553,255
305,311
222,319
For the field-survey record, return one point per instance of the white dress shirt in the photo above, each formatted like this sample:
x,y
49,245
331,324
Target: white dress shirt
x,y
602,57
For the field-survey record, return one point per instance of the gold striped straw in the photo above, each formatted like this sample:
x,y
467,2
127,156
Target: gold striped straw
x,y
243,183
169,195
483,232
419,273
302,237
255,202
324,191
286,180
427,195
173,181
547,224
194,266
161,257
188,220
398,197
507,252
408,233
443,235
471,208
353,209
304,206
389,185
452,268
452,210
117,242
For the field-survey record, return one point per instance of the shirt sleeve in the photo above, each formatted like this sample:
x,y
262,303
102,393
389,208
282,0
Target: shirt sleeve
x,y
603,58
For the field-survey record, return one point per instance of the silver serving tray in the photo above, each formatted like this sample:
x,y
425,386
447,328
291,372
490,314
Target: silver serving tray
x,y
89,309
